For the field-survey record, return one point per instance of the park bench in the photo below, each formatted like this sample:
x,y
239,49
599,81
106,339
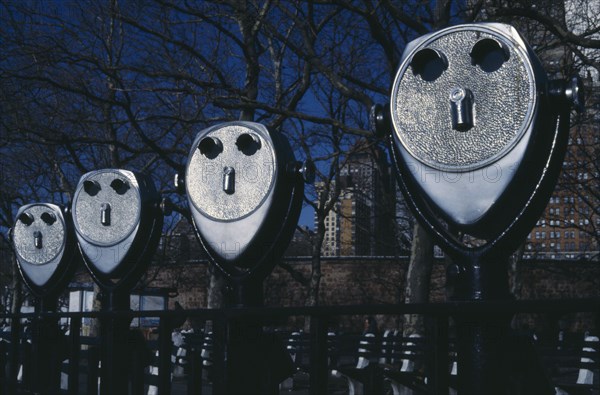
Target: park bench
x,y
297,345
406,376
195,358
363,376
581,359
86,360
181,349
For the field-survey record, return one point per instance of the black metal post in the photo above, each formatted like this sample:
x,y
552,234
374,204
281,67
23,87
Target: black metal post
x,y
247,370
481,339
3,361
318,355
246,293
137,368
93,374
194,371
74,348
13,359
438,351
164,355
114,352
220,351
45,349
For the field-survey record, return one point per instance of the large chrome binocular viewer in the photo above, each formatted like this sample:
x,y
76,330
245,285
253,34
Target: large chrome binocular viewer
x,y
245,192
478,133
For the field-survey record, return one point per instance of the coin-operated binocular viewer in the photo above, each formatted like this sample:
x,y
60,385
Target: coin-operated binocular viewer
x,y
245,192
478,134
46,252
118,221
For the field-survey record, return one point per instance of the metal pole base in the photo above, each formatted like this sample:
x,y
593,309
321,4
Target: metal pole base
x,y
482,340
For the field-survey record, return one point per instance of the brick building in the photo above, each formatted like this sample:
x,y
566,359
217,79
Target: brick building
x,y
570,225
363,221
569,228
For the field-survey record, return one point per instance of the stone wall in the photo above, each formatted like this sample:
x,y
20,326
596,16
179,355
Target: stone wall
x,y
559,280
375,281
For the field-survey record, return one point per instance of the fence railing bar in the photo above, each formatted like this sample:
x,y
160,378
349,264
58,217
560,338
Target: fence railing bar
x,y
447,308
438,313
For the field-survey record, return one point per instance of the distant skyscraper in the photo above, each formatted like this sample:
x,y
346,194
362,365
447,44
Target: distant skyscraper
x,y
363,220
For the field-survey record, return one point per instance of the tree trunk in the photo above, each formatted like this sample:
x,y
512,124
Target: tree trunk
x,y
94,329
513,270
314,284
17,287
216,287
215,293
418,278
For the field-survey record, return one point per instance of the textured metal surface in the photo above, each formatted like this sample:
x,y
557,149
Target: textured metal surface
x,y
125,208
254,175
504,101
52,237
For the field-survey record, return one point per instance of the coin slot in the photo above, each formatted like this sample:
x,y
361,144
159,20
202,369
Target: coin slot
x,y
429,64
489,54
229,180
248,143
120,186
105,214
210,147
91,187
37,240
48,218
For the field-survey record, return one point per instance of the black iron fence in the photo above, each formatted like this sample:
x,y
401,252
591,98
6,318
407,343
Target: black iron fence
x,y
151,363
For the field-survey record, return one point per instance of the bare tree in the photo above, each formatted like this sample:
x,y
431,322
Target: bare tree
x,y
99,83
